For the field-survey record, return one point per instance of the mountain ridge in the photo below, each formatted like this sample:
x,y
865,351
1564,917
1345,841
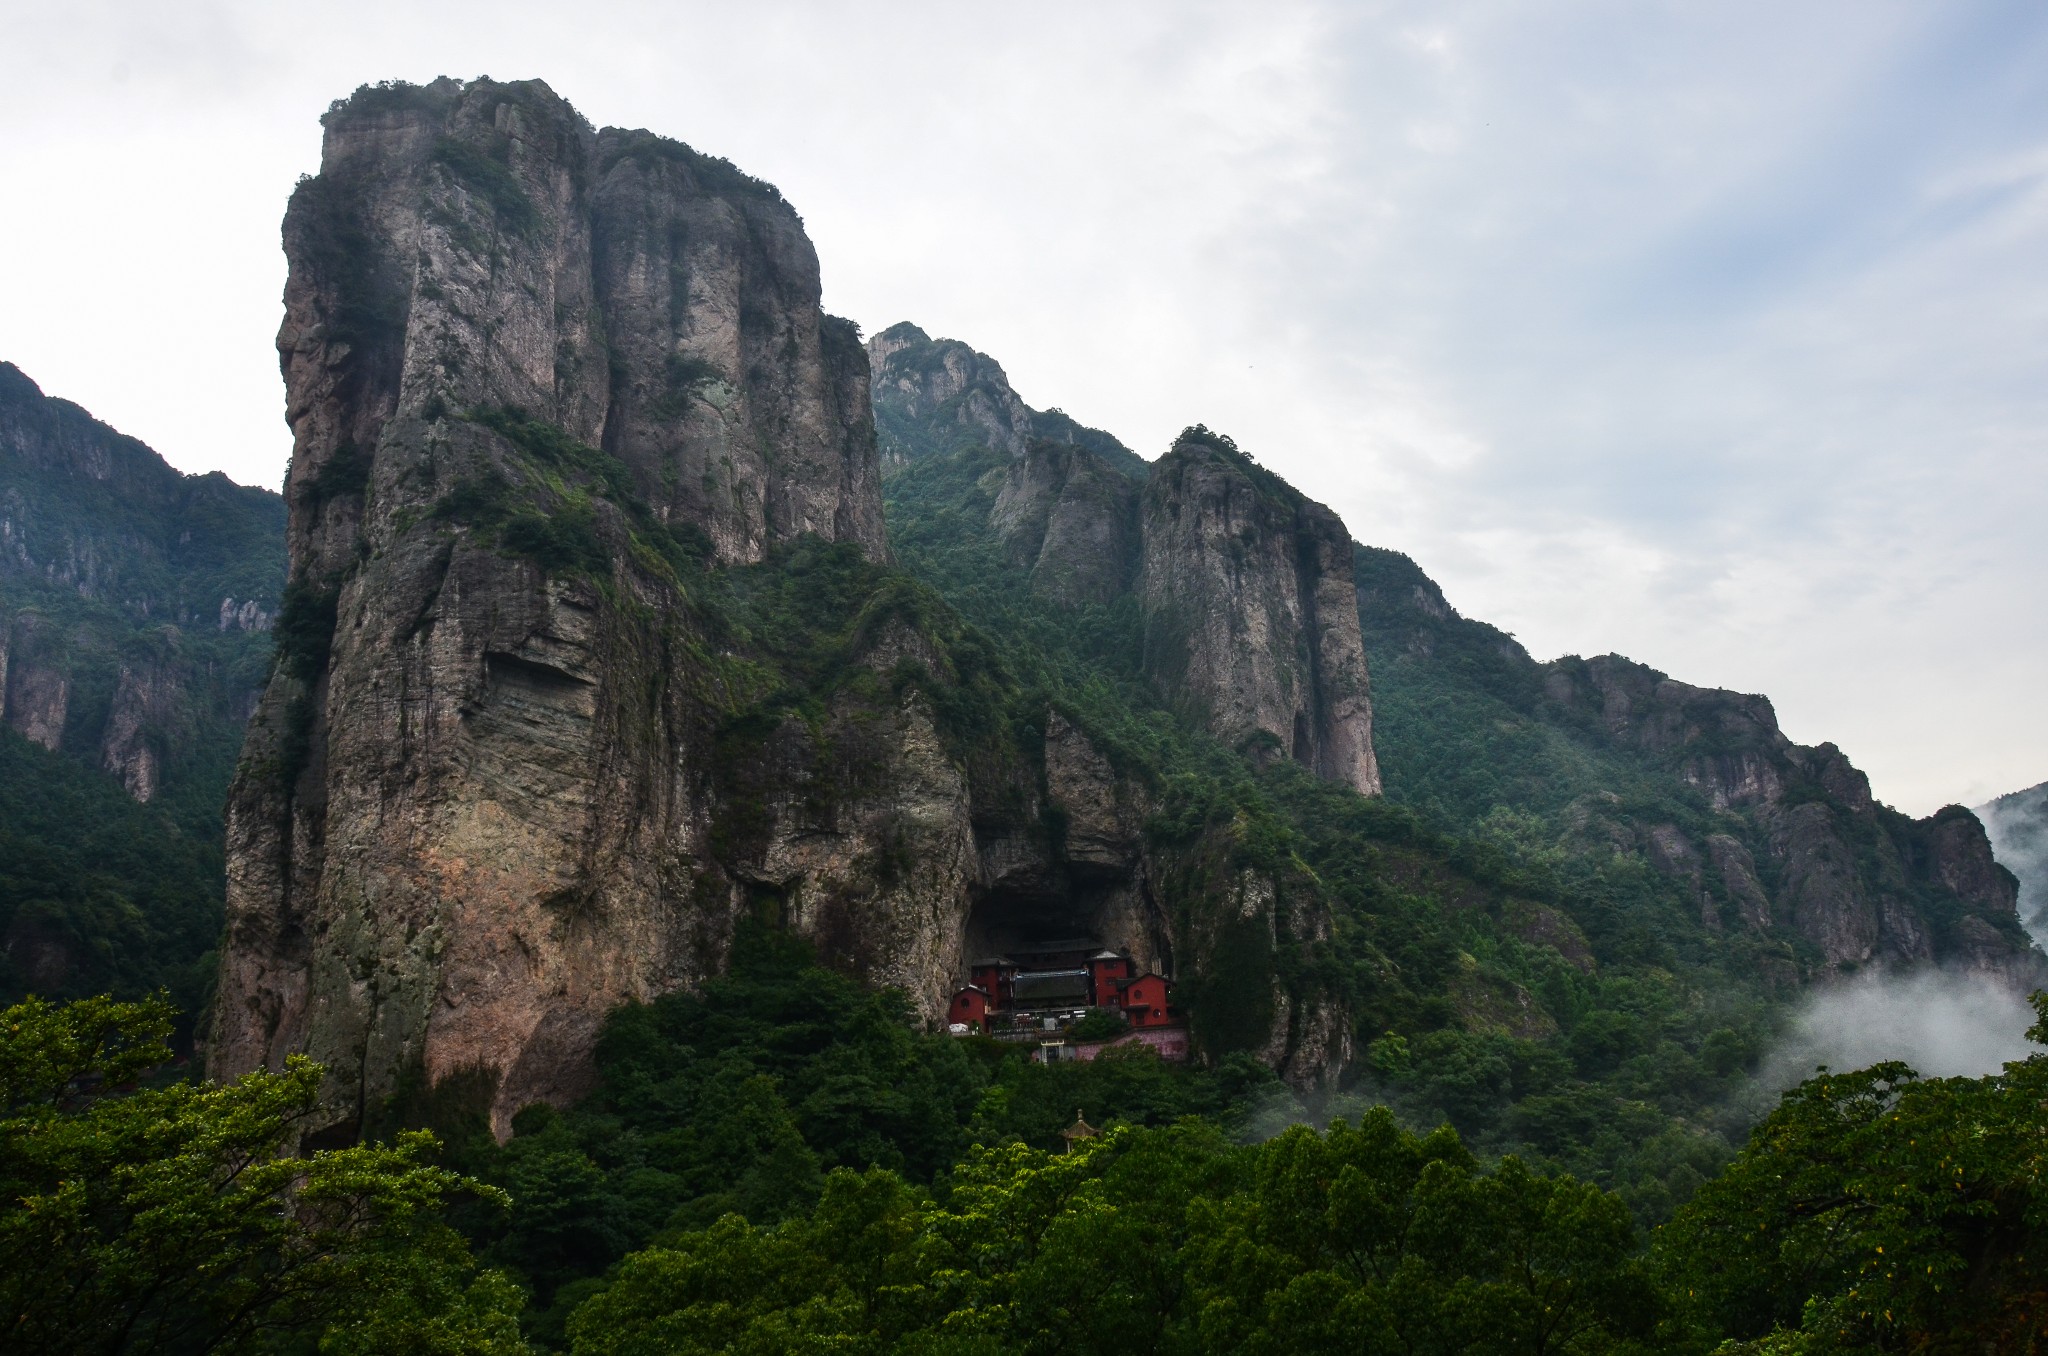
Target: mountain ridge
x,y
1780,842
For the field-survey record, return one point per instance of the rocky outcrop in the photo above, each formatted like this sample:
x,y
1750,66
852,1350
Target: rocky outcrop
x,y
937,396
1072,519
532,370
1735,868
113,570
934,396
1856,882
1246,586
35,678
1251,612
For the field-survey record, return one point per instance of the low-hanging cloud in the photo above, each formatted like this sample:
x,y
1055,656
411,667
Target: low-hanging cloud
x,y
1942,1024
2018,827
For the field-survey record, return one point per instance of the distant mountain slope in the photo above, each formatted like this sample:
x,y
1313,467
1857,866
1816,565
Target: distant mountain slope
x,y
134,601
934,396
1781,846
1587,767
135,604
2018,825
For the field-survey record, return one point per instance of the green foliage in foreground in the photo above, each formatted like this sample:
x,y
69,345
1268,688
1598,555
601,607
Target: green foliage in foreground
x,y
1365,1239
742,1098
1880,1211
174,1219
1872,1212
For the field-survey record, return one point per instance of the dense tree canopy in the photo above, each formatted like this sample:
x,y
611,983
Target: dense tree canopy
x,y
174,1218
782,1163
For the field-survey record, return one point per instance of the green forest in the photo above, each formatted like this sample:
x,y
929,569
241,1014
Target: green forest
x,y
1555,1140
782,1164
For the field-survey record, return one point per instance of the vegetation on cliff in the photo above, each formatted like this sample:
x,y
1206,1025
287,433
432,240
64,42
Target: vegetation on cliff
x,y
133,608
1588,1023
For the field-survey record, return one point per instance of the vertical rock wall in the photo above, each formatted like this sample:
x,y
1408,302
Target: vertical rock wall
x,y
472,810
1252,613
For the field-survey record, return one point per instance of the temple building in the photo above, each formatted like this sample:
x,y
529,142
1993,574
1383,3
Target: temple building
x,y
1034,994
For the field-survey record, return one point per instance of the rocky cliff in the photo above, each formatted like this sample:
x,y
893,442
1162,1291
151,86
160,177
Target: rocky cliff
x,y
591,647
1245,585
134,601
1251,611
936,396
536,375
1776,842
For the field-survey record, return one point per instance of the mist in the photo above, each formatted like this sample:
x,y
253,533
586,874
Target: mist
x,y
2018,827
1944,1025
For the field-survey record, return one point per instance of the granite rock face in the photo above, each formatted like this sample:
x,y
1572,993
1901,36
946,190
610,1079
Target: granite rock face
x,y
477,808
936,395
1073,519
134,600
1251,611
1851,878
1246,586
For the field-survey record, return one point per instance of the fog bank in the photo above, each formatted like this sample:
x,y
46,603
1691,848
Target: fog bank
x,y
1944,1025
2018,827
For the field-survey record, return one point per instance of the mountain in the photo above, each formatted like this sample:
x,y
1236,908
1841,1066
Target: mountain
x,y
1778,848
1779,845
135,605
2018,825
537,375
934,396
593,647
605,633
1242,583
134,600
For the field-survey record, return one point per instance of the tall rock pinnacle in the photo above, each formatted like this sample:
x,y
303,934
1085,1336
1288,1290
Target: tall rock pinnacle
x,y
1251,612
526,362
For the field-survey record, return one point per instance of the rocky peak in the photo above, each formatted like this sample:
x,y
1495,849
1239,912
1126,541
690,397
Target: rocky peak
x,y
1251,610
1071,518
1245,586
936,395
545,380
476,247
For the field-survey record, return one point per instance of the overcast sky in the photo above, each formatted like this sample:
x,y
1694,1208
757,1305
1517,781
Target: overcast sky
x,y
1713,334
